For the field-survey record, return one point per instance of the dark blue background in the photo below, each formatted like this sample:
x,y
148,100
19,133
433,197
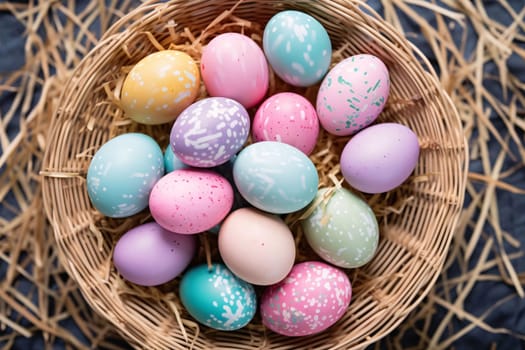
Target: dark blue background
x,y
510,315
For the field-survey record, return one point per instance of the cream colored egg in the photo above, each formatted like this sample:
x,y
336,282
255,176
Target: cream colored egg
x,y
160,86
257,247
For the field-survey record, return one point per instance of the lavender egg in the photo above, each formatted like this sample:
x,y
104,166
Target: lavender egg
x,y
149,255
209,132
380,158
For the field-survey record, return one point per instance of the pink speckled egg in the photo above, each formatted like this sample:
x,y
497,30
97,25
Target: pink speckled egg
x,y
353,94
287,117
310,299
234,66
190,201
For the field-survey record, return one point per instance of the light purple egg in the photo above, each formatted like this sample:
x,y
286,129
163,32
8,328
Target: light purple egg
x,y
210,131
149,255
380,158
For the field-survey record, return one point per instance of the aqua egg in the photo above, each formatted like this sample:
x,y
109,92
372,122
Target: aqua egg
x,y
215,297
275,177
122,173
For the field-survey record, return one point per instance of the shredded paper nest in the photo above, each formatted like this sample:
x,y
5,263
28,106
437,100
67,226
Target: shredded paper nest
x,y
40,300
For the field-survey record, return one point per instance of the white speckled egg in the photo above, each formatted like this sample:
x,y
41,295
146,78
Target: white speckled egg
x,y
210,131
160,86
122,173
275,177
310,299
287,117
352,94
217,298
342,229
297,47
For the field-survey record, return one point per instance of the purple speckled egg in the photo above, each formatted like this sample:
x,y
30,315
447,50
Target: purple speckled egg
x,y
209,132
380,157
149,255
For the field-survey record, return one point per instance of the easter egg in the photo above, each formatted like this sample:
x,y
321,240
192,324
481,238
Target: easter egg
x,y
234,66
149,255
297,47
210,131
342,229
275,177
172,162
215,297
248,237
310,299
122,173
190,201
287,117
353,94
380,157
160,86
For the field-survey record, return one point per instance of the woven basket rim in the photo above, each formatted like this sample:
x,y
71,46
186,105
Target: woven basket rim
x,y
54,184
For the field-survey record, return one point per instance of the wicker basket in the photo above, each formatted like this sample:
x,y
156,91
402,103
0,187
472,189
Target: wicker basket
x,y
416,221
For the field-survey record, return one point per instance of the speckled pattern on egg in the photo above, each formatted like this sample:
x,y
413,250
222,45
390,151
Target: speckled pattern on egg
x,y
190,201
275,177
287,117
122,173
310,299
216,298
160,86
297,47
352,94
210,131
343,230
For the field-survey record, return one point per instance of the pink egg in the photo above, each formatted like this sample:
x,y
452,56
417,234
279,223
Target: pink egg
x,y
190,201
310,299
234,66
352,94
287,117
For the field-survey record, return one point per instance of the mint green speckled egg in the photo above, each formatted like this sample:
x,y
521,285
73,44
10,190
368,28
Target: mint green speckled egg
x,y
343,229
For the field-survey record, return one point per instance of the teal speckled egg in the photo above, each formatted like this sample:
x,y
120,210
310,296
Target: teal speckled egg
x,y
297,47
217,298
275,177
342,229
122,174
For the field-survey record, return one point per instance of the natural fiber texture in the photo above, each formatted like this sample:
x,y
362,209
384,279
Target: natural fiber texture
x,y
416,221
41,306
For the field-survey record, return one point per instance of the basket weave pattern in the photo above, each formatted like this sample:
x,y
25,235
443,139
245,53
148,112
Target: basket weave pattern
x,y
415,235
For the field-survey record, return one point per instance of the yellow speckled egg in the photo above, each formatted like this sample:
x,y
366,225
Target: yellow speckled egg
x,y
160,86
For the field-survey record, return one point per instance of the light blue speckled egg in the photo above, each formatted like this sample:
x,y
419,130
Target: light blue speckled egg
x,y
217,298
122,174
172,162
275,177
297,47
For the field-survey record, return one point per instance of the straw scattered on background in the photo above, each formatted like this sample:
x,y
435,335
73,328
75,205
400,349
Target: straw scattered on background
x,y
37,298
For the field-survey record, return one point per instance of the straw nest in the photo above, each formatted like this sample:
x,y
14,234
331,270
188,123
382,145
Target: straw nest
x,y
416,220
